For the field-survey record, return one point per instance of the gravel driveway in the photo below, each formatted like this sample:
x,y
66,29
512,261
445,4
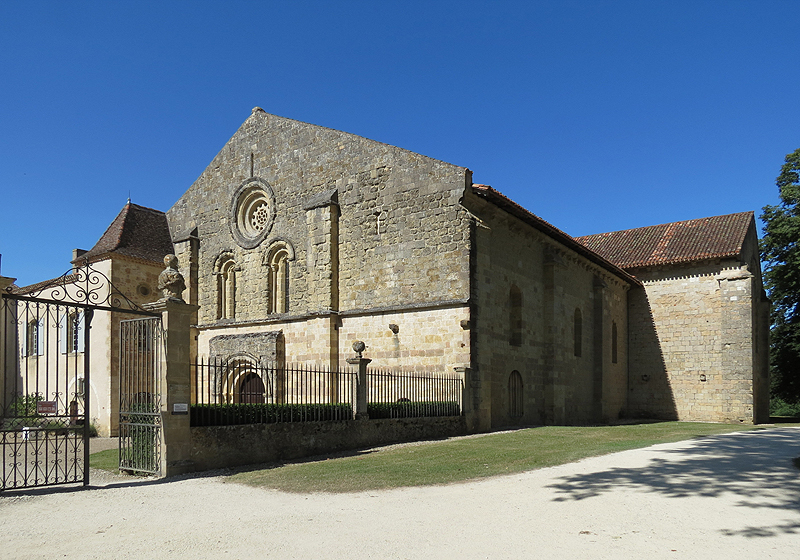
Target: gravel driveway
x,y
728,496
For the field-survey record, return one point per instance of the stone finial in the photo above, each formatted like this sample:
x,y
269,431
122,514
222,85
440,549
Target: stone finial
x,y
170,281
359,347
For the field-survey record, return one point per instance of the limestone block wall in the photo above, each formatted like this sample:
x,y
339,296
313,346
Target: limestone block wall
x,y
433,340
692,343
307,340
526,290
391,232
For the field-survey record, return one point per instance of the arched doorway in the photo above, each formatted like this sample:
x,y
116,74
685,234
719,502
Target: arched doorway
x,y
251,390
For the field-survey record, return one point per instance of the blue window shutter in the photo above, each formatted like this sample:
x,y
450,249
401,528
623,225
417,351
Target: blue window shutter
x,y
81,323
64,328
40,324
24,341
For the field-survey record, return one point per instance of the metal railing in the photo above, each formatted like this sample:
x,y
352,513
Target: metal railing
x,y
237,391
240,392
400,394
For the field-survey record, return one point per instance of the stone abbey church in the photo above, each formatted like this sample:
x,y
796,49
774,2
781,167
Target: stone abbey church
x,y
298,240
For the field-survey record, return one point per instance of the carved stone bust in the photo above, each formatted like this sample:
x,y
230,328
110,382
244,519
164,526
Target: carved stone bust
x,y
170,281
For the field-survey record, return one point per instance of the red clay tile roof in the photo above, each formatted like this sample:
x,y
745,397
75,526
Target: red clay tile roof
x,y
137,232
687,241
502,201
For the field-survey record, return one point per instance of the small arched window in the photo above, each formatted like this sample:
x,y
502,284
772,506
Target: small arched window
x,y
577,332
515,316
279,282
515,400
277,260
226,287
613,342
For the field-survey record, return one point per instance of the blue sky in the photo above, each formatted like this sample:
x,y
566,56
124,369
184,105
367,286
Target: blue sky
x,y
595,115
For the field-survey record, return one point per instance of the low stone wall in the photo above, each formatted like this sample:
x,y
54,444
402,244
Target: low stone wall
x,y
229,446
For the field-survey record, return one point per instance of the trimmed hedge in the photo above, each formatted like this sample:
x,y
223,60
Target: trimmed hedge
x,y
235,414
412,409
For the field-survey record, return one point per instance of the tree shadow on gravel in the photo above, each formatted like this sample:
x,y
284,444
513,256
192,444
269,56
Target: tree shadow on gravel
x,y
757,466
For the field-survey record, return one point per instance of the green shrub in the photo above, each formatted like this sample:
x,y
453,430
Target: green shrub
x,y
236,414
779,407
412,409
25,406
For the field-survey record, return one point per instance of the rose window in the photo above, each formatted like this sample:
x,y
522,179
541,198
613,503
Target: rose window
x,y
252,213
260,217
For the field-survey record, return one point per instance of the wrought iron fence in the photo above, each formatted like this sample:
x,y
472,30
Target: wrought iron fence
x,y
240,392
237,391
399,394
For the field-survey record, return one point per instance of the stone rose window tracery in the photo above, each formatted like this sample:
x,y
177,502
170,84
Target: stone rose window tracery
x,y
252,212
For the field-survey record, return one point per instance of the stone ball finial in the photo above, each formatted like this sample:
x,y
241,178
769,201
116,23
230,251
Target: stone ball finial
x,y
359,347
170,281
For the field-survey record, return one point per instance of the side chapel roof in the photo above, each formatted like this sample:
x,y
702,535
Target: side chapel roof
x,y
676,242
500,200
138,232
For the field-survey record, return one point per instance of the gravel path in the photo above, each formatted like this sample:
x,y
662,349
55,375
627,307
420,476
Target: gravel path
x,y
729,496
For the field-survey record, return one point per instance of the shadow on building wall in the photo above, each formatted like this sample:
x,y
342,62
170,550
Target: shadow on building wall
x,y
650,394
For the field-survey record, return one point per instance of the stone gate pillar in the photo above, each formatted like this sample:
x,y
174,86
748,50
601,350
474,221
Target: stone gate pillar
x,y
176,385
176,372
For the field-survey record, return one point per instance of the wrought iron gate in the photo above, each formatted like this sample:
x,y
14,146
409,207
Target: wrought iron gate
x,y
45,402
141,348
45,385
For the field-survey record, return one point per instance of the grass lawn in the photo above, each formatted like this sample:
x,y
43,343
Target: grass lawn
x,y
107,460
471,458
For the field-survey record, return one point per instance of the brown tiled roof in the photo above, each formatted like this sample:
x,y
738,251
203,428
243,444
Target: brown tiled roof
x,y
502,201
137,232
678,242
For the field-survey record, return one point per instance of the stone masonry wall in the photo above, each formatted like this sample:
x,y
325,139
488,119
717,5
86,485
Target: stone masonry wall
x,y
693,337
399,234
558,387
426,340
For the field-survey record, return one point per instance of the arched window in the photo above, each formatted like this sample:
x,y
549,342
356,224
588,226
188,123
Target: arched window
x,y
279,282
577,332
34,343
613,342
515,316
226,286
515,400
277,259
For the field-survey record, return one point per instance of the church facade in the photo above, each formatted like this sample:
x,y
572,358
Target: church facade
x,y
298,240
327,238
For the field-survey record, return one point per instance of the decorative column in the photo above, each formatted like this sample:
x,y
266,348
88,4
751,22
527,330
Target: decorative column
x,y
176,378
361,380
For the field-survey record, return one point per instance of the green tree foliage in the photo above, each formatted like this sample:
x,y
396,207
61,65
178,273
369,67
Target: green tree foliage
x,y
780,249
